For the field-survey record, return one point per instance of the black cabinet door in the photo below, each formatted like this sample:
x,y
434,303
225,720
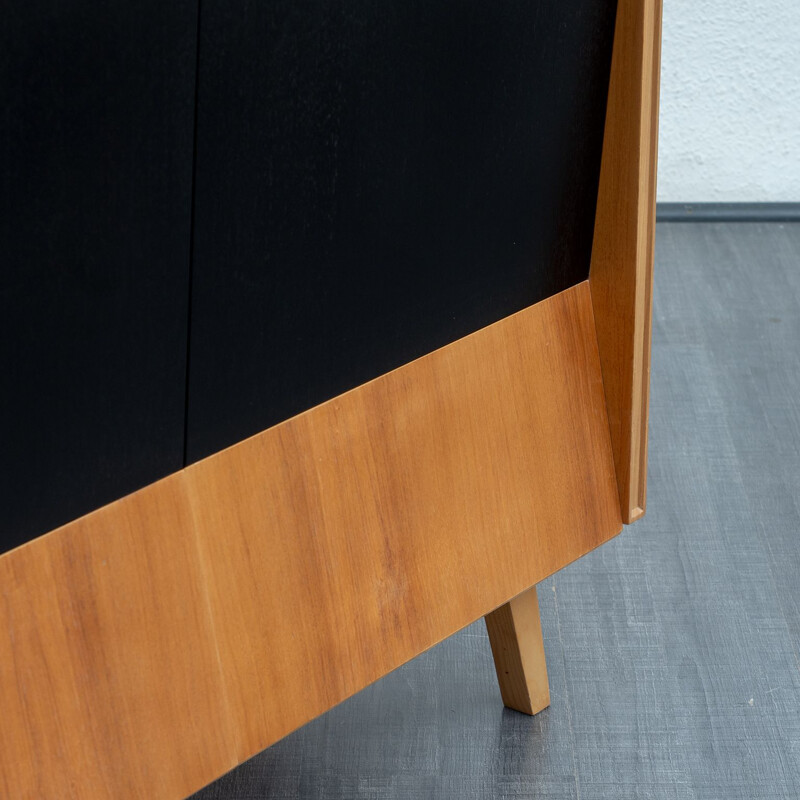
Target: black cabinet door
x,y
96,135
377,179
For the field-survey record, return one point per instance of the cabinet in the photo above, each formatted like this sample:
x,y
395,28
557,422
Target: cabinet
x,y
346,307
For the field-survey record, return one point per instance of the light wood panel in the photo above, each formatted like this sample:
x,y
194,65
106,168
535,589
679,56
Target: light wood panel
x,y
622,254
515,634
110,684
150,646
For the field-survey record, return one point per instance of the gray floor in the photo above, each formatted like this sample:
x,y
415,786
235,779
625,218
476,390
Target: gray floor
x,y
673,650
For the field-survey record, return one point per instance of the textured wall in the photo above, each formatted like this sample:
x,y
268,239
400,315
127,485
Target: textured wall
x,y
730,101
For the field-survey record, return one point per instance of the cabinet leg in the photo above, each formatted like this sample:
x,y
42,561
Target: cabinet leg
x,y
515,634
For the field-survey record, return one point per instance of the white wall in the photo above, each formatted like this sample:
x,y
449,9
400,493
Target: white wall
x,y
730,101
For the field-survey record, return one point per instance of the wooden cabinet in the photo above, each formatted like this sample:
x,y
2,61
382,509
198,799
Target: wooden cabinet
x,y
367,287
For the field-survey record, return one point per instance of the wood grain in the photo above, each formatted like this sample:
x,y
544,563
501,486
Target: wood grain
x,y
110,685
150,646
622,255
515,634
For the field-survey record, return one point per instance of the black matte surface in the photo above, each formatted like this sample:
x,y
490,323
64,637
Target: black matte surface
x,y
95,157
377,179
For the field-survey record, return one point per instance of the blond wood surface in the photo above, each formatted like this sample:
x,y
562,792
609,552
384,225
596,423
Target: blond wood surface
x,y
150,646
515,634
622,254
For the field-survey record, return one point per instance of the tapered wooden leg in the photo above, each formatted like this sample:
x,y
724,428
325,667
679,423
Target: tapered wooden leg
x,y
515,633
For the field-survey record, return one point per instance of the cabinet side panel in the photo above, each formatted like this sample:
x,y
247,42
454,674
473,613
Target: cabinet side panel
x,y
624,237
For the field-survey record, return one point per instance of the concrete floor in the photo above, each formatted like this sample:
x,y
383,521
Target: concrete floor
x,y
673,650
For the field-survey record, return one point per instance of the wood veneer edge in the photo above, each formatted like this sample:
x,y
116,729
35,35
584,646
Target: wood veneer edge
x,y
623,249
